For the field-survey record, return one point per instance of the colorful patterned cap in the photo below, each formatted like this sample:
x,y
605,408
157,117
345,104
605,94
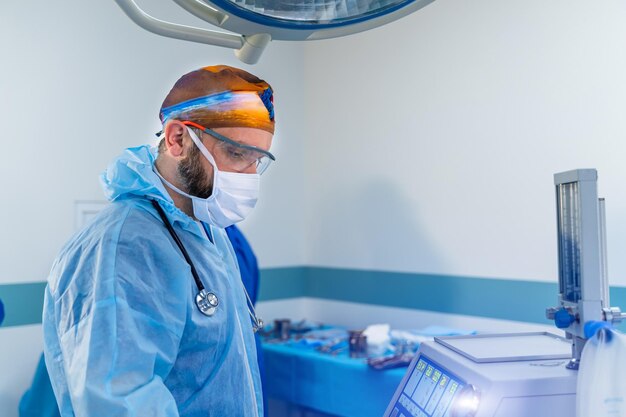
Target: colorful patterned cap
x,y
221,96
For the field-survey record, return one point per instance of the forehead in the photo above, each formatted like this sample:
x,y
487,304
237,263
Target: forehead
x,y
247,136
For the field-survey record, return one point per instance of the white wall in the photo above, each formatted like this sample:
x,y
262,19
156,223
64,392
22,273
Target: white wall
x,y
428,145
79,83
433,141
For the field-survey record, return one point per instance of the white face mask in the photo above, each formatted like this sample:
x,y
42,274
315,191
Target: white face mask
x,y
234,194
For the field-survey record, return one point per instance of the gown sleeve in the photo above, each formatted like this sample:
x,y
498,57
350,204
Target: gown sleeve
x,y
120,319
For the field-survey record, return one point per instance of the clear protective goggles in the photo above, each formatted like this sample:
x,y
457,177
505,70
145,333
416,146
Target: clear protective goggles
x,y
238,156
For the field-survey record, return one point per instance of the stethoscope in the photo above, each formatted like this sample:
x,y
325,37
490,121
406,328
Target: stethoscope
x,y
206,301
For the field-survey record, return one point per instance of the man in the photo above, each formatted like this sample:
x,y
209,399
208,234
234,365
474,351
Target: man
x,y
145,313
39,400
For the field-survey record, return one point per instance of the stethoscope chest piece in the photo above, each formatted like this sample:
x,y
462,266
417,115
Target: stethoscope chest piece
x,y
207,302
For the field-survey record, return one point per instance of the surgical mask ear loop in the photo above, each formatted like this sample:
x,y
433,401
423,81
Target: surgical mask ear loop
x,y
196,140
172,186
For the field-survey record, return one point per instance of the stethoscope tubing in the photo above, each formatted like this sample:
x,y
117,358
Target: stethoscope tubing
x,y
206,301
170,229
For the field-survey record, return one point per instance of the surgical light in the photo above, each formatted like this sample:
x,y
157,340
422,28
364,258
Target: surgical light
x,y
254,23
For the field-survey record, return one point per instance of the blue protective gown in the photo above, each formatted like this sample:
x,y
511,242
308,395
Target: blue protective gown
x,y
246,259
122,333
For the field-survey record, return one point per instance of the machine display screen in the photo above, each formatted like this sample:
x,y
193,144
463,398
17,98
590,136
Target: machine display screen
x,y
428,392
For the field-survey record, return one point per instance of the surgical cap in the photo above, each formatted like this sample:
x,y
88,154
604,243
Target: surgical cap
x,y
221,96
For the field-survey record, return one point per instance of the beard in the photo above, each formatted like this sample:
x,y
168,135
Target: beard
x,y
193,176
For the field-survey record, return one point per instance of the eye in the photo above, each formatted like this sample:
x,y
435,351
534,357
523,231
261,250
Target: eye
x,y
235,153
238,154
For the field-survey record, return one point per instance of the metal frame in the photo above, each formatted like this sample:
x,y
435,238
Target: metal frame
x,y
254,31
247,48
592,304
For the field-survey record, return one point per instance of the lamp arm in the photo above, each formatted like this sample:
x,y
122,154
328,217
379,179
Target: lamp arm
x,y
176,31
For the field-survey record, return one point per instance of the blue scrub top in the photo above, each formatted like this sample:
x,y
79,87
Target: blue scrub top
x,y
39,400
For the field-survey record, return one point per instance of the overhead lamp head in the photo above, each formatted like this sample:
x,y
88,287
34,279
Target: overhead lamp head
x,y
259,21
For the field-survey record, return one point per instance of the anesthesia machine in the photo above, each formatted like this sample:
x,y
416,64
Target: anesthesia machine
x,y
523,374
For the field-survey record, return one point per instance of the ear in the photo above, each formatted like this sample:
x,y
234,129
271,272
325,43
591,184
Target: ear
x,y
174,133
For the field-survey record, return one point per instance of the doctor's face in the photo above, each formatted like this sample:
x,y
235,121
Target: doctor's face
x,y
196,172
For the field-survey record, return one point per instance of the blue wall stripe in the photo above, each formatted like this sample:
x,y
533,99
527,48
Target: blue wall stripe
x,y
23,303
280,283
492,298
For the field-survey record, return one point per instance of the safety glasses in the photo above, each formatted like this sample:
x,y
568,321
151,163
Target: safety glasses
x,y
237,155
